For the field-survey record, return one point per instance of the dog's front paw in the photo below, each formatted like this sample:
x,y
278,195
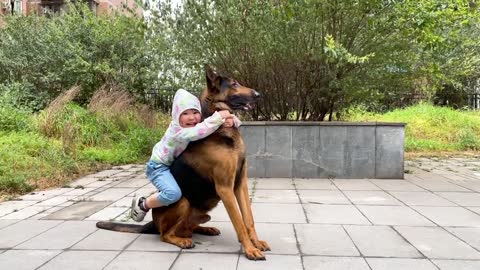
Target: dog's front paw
x,y
254,254
186,243
261,245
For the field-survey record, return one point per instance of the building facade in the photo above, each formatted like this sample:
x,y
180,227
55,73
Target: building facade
x,y
26,7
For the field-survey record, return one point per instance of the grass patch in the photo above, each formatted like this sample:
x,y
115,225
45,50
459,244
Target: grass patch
x,y
430,128
65,141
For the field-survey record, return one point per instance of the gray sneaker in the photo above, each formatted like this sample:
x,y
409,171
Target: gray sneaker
x,y
136,213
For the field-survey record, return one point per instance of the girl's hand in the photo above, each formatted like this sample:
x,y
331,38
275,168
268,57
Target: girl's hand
x,y
229,123
225,114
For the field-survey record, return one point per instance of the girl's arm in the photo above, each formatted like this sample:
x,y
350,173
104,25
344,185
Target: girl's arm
x,y
202,129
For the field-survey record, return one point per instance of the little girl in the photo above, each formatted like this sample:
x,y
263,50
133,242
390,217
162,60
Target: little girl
x,y
186,126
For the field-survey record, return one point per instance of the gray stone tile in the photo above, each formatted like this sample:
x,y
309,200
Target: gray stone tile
x,y
371,198
279,262
7,222
438,185
205,261
78,191
98,184
314,183
334,263
58,200
278,213
123,202
106,240
25,259
305,154
88,260
26,212
278,160
396,185
109,213
473,185
45,194
388,159
360,152
400,264
19,232
329,240
144,191
11,206
124,173
106,173
78,211
274,183
469,235
81,182
381,241
227,241
62,236
323,197
475,209
354,184
275,196
331,146
394,215
134,260
457,264
335,214
112,194
443,216
435,243
462,198
151,242
421,198
280,237
133,182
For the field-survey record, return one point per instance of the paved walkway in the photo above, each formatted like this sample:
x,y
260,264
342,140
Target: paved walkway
x,y
430,220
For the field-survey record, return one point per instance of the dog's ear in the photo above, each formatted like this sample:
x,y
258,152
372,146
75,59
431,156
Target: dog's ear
x,y
212,79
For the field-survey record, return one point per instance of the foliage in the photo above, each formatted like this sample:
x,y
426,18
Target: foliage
x,y
312,58
431,128
49,55
13,119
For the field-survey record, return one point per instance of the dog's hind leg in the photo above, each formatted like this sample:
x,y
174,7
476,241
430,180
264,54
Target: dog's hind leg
x,y
243,198
199,217
172,225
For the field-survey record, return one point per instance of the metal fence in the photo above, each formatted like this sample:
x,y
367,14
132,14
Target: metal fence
x,y
474,101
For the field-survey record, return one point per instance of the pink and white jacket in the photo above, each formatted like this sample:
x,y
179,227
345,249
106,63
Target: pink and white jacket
x,y
176,138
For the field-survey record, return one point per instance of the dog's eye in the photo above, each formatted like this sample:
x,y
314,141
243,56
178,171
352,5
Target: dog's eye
x,y
235,84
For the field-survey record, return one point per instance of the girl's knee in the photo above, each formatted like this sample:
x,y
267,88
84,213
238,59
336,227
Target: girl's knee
x,y
170,196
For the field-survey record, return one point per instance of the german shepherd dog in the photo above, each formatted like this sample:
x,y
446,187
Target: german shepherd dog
x,y
209,170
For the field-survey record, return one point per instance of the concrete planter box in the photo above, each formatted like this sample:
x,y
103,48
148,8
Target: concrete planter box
x,y
324,149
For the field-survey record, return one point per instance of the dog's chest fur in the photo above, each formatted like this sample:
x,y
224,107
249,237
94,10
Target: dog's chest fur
x,y
192,170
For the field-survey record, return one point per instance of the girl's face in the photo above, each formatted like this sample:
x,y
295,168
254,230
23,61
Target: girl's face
x,y
189,118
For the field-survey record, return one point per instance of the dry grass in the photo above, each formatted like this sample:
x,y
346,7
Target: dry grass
x,y
111,100
146,115
47,125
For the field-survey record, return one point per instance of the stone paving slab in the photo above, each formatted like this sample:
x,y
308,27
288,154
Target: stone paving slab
x,y
429,220
135,260
60,237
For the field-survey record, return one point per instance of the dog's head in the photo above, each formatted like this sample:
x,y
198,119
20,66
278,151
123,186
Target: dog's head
x,y
223,93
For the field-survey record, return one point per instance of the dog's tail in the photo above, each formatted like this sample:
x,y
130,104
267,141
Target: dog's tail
x,y
148,228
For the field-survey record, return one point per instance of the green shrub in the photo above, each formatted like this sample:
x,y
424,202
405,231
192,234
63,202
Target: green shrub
x,y
12,119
